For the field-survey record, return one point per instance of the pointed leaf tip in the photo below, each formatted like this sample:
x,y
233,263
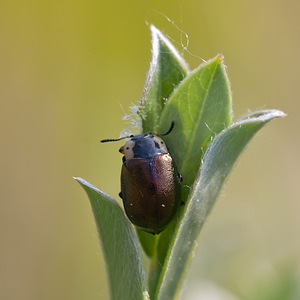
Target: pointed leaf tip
x,y
262,115
220,57
157,34
167,70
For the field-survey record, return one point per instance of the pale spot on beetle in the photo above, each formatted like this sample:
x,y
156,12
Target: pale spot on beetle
x,y
159,143
128,149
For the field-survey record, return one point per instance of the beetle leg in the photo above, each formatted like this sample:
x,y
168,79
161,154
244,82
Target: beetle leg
x,y
120,195
180,178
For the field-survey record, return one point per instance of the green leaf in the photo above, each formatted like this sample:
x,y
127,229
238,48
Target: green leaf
x,y
119,245
167,69
201,108
216,165
148,241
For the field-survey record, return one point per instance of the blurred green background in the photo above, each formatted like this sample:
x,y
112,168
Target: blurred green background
x,y
68,67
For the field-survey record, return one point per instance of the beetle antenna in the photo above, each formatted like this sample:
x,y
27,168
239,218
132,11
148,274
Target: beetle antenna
x,y
114,140
168,132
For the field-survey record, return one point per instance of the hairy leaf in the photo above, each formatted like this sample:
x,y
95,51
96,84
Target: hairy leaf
x,y
167,69
217,163
119,245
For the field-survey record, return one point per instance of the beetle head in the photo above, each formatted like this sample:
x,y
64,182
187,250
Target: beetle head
x,y
145,145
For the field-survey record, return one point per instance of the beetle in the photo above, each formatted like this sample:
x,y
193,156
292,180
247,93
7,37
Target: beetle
x,y
150,183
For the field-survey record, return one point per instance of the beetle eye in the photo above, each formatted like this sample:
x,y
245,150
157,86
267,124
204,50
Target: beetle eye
x,y
160,144
128,149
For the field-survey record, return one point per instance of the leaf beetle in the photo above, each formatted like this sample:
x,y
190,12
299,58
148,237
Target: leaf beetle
x,y
150,183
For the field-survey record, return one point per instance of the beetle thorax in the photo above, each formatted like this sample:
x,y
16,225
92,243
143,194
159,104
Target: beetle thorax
x,y
144,146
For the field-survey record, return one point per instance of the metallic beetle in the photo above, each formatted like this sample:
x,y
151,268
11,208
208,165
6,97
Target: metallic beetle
x,y
150,183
